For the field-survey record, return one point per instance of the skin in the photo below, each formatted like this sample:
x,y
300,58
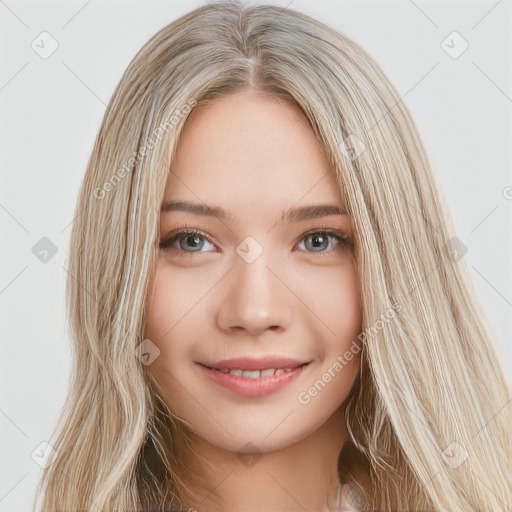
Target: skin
x,y
255,155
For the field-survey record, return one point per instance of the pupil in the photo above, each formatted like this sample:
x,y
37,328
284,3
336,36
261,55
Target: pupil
x,y
316,238
196,239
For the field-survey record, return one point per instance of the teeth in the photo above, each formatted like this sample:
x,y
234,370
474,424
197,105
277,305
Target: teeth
x,y
255,374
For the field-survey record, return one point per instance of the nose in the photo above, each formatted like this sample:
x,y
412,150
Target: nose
x,y
256,298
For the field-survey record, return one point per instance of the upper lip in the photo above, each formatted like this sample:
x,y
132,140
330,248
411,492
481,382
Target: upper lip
x,y
261,363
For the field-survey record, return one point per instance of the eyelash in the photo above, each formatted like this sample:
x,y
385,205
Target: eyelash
x,y
186,230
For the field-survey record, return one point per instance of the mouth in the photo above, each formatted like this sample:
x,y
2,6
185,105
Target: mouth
x,y
261,363
254,382
255,374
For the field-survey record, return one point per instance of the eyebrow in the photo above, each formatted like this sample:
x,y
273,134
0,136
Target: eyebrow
x,y
314,211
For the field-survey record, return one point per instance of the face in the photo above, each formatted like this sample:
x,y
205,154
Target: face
x,y
278,290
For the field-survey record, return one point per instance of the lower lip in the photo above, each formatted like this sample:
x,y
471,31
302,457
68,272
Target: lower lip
x,y
251,388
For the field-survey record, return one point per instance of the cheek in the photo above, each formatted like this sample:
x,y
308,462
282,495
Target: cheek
x,y
339,309
166,327
342,305
176,312
172,301
167,304
331,300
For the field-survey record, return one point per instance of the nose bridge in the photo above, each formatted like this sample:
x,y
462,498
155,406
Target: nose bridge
x,y
254,273
256,298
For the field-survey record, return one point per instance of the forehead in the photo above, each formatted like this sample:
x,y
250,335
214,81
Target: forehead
x,y
250,151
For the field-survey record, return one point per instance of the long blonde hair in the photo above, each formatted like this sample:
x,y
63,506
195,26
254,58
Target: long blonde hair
x,y
429,415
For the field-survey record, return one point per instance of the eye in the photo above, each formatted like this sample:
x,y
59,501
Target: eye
x,y
323,239
313,242
187,239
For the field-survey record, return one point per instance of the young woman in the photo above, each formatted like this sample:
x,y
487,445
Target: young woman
x,y
267,301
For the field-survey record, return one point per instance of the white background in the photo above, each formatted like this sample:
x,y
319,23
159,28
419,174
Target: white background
x,y
51,110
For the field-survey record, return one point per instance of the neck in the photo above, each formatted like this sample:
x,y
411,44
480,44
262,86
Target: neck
x,y
302,476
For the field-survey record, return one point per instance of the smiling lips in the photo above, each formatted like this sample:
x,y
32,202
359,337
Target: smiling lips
x,y
251,378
